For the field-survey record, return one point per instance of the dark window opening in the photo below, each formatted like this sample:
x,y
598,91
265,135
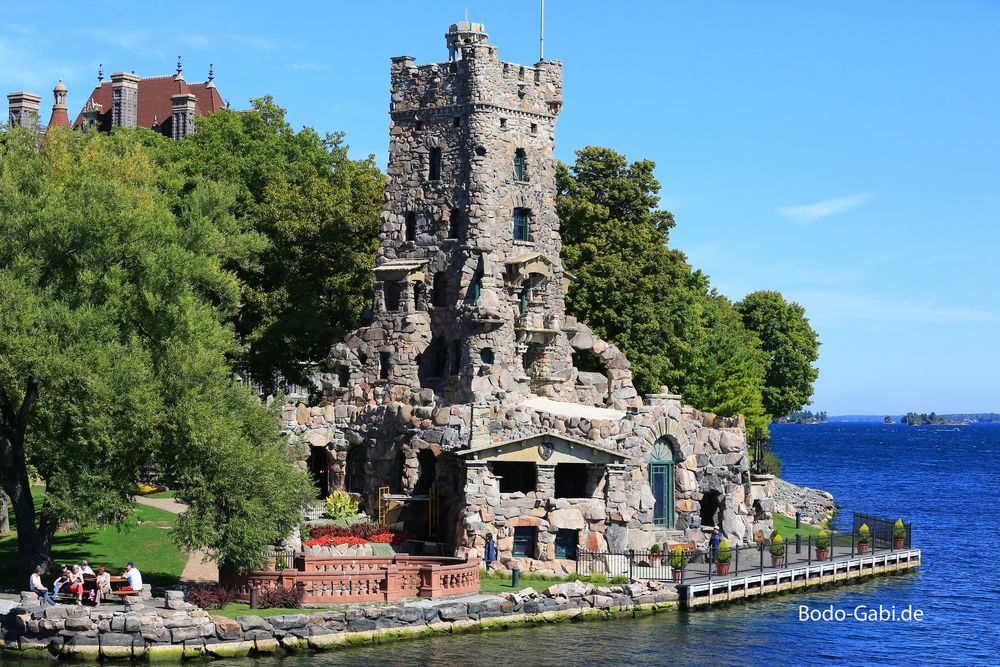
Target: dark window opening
x,y
433,360
571,480
534,128
524,541
520,165
426,471
476,287
521,216
503,123
439,291
566,541
384,365
456,357
418,125
515,476
486,355
587,361
453,67
481,151
319,466
455,224
398,470
710,509
420,296
354,480
532,356
434,173
343,376
362,358
411,226
457,121
393,296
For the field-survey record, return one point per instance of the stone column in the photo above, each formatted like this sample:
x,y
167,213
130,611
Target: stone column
x,y
23,109
614,491
545,481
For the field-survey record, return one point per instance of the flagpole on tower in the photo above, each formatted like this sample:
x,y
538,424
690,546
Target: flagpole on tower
x,y
541,34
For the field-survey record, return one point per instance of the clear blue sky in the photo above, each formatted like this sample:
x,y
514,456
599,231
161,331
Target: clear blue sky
x,y
846,154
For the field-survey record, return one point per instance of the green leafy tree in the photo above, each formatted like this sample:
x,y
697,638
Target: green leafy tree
x,y
629,286
114,348
311,218
790,345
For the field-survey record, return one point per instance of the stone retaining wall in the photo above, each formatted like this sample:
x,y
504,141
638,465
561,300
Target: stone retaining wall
x,y
177,630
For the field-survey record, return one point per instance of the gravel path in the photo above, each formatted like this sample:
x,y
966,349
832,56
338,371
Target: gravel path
x,y
197,569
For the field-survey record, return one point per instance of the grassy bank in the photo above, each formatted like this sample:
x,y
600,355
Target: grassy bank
x,y
786,527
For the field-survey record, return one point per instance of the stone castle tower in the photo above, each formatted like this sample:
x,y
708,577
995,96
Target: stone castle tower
x,y
469,291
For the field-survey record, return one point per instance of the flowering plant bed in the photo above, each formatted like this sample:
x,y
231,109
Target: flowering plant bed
x,y
356,535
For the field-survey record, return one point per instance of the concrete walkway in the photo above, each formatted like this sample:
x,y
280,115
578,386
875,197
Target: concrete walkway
x,y
197,570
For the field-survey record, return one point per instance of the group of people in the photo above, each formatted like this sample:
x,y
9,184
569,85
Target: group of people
x,y
74,579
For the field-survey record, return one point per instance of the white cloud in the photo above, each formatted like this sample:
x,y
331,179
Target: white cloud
x,y
806,213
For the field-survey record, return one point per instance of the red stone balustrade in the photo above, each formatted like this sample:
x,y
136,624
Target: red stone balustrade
x,y
338,580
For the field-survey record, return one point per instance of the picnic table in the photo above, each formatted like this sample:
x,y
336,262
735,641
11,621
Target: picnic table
x,y
90,586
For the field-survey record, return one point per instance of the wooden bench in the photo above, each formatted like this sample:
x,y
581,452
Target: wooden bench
x,y
90,586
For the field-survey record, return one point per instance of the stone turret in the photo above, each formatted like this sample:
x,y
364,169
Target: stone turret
x,y
124,99
59,116
23,109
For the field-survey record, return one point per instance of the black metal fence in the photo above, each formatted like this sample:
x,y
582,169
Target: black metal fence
x,y
699,565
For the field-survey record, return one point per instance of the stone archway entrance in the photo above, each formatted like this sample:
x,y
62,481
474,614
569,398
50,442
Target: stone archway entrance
x,y
318,464
711,509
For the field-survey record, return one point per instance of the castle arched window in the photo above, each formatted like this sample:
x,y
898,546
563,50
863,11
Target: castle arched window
x,y
522,217
411,226
520,165
434,173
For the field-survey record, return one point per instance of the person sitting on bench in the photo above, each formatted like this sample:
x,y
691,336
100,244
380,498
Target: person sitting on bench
x,y
36,586
86,569
76,584
61,581
133,577
103,583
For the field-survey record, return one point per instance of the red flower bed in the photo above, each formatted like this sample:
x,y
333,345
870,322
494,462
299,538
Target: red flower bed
x,y
356,535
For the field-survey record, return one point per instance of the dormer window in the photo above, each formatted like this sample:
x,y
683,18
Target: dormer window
x,y
520,165
521,219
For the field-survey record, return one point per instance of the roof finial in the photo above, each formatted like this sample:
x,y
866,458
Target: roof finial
x,y
180,68
100,72
211,71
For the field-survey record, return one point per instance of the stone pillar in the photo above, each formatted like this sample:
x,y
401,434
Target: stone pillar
x,y
23,109
183,109
614,491
124,99
409,297
480,426
545,481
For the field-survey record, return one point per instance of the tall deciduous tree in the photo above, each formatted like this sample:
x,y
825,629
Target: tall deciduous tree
x,y
315,214
790,346
114,345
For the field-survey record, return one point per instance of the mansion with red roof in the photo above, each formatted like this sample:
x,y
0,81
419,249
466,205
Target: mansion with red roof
x,y
166,104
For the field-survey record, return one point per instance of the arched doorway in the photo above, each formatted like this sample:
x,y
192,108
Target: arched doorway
x,y
319,467
711,509
354,481
661,482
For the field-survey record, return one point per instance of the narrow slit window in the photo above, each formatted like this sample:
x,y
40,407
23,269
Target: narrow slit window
x,y
384,365
411,226
455,224
435,166
520,165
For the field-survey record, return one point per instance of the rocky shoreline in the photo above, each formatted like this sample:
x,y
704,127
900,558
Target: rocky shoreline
x,y
170,629
815,505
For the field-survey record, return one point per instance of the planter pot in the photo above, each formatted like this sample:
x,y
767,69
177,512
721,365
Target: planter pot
x,y
821,554
722,568
677,575
777,561
862,547
897,542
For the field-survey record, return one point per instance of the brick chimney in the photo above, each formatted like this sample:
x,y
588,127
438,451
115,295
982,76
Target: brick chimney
x,y
23,109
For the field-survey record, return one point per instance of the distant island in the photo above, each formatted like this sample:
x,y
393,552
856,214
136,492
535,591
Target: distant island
x,y
802,417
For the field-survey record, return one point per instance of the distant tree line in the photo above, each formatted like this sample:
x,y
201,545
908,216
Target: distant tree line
x,y
914,419
802,417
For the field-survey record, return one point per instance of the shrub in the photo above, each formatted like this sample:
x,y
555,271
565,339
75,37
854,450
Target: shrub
x,y
822,540
340,506
864,534
677,558
777,546
898,530
283,598
619,579
368,530
210,597
598,578
724,554
655,549
328,531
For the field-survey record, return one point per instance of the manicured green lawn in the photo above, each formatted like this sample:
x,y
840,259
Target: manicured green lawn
x,y
786,526
166,494
147,544
234,609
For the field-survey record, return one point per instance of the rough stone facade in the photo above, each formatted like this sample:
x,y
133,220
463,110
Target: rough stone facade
x,y
463,398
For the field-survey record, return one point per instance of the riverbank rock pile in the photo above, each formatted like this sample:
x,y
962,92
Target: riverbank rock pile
x,y
815,505
180,630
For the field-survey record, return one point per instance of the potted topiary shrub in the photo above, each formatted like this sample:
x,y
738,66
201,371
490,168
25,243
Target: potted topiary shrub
x,y
677,563
777,549
822,545
655,555
898,534
722,557
864,538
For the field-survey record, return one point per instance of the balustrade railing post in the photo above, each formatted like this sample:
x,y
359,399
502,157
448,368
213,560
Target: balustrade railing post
x,y
809,551
762,555
711,562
